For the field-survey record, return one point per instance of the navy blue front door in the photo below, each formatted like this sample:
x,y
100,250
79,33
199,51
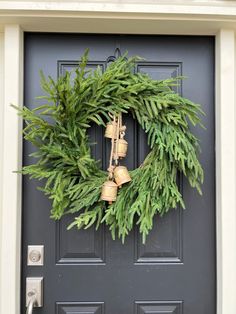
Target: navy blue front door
x,y
88,272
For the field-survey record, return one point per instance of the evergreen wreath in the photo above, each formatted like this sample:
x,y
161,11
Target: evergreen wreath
x,y
73,179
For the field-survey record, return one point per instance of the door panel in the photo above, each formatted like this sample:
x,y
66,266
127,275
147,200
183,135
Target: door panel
x,y
88,272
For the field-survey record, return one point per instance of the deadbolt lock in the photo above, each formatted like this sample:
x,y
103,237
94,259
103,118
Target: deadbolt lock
x,y
35,255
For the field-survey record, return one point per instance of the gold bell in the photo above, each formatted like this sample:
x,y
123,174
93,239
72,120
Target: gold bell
x,y
110,129
122,147
121,175
109,191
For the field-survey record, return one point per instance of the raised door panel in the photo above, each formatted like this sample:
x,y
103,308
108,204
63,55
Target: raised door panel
x,y
159,307
164,244
80,308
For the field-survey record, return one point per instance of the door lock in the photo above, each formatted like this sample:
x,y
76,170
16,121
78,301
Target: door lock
x,y
34,292
35,255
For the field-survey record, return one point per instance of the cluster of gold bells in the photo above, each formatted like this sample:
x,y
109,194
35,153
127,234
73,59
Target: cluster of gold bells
x,y
117,175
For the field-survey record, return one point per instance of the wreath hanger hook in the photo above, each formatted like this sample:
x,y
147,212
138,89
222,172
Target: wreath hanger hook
x,y
117,54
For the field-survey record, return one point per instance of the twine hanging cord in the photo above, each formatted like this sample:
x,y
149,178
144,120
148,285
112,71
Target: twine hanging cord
x,y
111,167
117,137
117,126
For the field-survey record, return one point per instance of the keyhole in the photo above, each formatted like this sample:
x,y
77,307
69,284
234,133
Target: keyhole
x,y
31,294
35,256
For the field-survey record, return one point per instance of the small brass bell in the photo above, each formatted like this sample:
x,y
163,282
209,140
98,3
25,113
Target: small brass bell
x,y
121,175
122,147
111,129
109,191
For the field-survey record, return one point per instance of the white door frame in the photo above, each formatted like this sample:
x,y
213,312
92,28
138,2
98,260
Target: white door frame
x,y
195,18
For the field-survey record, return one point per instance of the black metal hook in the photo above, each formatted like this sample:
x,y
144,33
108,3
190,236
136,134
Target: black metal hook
x,y
117,54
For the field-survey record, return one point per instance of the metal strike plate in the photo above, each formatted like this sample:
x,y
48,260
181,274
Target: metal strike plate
x,y
35,255
34,286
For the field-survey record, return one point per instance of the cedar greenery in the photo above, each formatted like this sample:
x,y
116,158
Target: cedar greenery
x,y
73,178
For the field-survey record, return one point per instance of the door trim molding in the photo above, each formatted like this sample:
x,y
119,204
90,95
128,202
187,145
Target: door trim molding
x,y
218,8
10,210
225,171
11,82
